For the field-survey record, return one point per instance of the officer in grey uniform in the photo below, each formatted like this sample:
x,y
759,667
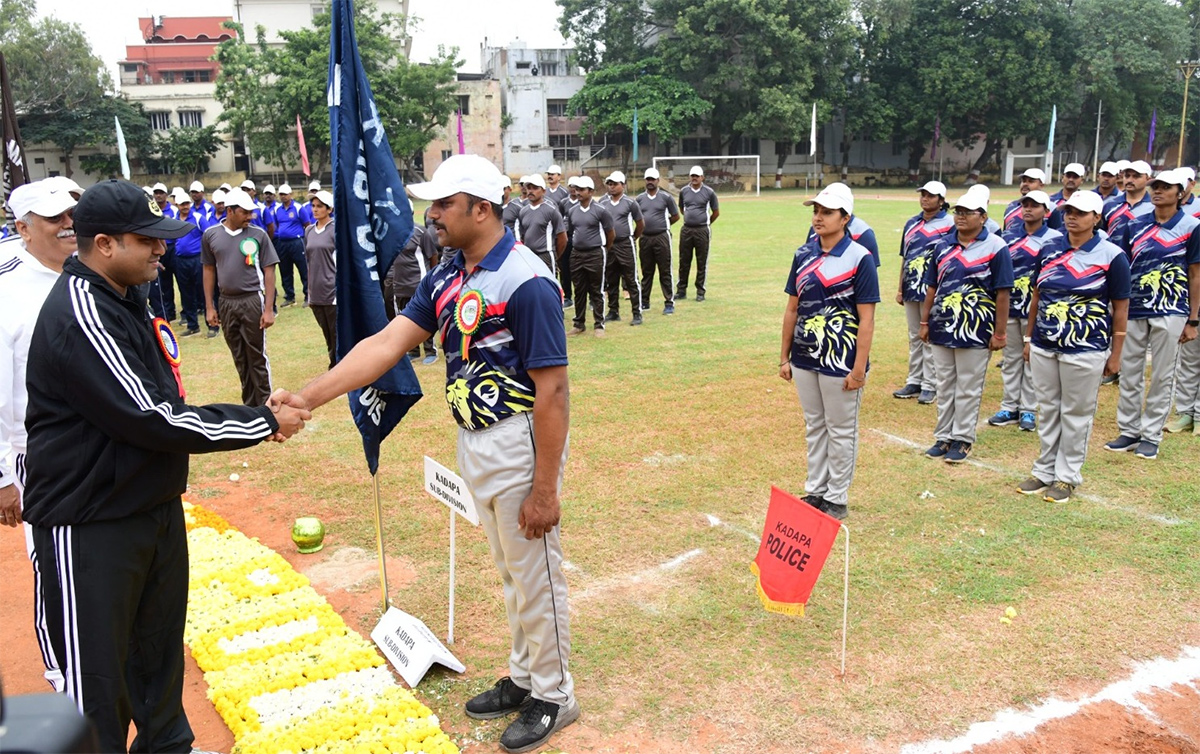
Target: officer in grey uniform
x,y
659,213
621,266
543,230
591,235
700,210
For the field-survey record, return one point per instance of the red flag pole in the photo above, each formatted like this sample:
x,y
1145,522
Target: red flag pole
x,y
303,148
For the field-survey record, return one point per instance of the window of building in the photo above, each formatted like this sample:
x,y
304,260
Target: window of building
x,y
566,155
556,108
129,67
168,77
318,8
192,77
565,140
802,147
464,104
39,160
446,154
691,146
160,121
548,68
1028,142
523,65
191,118
747,145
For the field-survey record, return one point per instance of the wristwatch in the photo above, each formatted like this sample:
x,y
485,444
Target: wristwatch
x,y
1193,323
1027,339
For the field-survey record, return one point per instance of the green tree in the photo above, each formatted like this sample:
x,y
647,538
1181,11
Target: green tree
x,y
186,150
249,94
608,32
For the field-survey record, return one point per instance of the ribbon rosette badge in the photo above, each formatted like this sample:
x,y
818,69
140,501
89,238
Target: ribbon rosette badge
x,y
468,314
249,249
167,341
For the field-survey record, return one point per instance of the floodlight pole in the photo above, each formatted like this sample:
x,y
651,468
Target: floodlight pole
x,y
1188,68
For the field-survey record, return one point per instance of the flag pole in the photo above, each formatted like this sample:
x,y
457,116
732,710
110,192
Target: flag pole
x,y
1096,154
383,582
845,598
450,630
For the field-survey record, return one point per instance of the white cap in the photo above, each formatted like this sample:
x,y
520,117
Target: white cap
x,y
1111,168
159,187
226,187
239,198
284,188
535,179
977,197
1140,166
696,170
180,196
1086,201
652,173
326,198
41,198
834,196
573,181
247,184
314,186
982,190
615,177
937,188
1036,174
268,189
1123,165
196,186
554,169
63,183
463,174
1172,177
586,182
1186,172
1076,168
218,196
1041,197
147,189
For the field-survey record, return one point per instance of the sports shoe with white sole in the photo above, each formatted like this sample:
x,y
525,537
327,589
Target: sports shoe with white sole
x,y
538,721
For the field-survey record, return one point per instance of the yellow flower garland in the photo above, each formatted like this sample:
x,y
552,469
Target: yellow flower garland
x,y
264,638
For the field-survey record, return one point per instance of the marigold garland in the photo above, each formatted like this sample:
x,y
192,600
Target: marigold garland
x,y
283,670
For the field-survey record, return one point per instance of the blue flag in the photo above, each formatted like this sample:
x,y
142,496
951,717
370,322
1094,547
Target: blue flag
x,y
374,221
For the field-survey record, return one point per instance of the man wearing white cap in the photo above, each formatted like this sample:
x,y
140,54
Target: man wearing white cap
x,y
921,233
1107,180
500,314
542,228
289,244
1187,376
162,288
200,205
700,210
512,207
240,258
1164,253
554,189
306,210
1019,402
189,272
1072,179
1134,204
621,266
659,213
564,199
967,282
1191,205
45,240
1032,179
591,232
268,212
259,218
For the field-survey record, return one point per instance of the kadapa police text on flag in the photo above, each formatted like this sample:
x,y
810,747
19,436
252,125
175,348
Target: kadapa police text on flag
x,y
796,541
374,221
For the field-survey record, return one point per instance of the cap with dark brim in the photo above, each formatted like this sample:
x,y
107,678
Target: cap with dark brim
x,y
114,207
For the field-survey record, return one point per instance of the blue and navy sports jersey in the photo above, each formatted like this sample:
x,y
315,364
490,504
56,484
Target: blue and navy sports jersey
x,y
1116,193
1024,249
1160,254
919,237
828,288
520,328
965,281
259,217
1055,219
1118,214
189,245
1075,290
1013,219
306,214
204,208
861,234
287,221
1191,205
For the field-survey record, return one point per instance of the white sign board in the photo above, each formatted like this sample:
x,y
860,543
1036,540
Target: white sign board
x,y
448,487
411,647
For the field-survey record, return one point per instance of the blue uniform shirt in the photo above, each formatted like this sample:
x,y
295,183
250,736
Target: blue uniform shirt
x,y
259,217
287,221
829,287
1075,290
189,245
520,328
1118,214
965,282
1024,249
1160,254
861,234
919,237
1013,220
306,214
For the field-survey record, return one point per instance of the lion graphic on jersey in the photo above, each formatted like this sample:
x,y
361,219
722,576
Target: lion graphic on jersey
x,y
966,314
830,335
1070,322
1020,293
480,396
1167,288
914,272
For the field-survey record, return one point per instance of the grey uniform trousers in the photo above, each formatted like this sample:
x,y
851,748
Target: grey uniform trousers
x,y
920,353
960,377
1067,386
621,268
1158,336
497,465
240,314
1018,379
655,252
830,432
1187,379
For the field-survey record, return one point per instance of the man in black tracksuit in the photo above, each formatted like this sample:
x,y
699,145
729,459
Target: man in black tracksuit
x,y
109,439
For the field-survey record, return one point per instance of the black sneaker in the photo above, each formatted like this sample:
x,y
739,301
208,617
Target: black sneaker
x,y
637,319
840,512
190,331
815,501
680,296
926,397
212,332
669,309
538,721
568,303
1112,379
498,701
938,450
613,317
699,296
908,391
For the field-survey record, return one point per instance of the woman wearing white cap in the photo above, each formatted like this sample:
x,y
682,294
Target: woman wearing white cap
x,y
1077,320
322,270
828,325
1018,404
1033,179
921,232
967,283
1164,253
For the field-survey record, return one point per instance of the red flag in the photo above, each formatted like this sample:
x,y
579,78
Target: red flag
x,y
796,541
303,149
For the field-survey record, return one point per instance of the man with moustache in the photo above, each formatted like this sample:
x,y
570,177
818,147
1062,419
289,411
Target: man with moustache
x,y
700,210
621,266
591,236
659,213
542,229
1033,179
1107,180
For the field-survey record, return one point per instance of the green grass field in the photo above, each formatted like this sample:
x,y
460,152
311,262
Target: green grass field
x,y
686,417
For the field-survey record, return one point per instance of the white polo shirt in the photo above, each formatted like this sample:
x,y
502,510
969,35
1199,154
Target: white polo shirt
x,y
24,284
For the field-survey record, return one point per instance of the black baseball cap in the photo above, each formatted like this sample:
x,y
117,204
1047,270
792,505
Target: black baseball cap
x,y
116,206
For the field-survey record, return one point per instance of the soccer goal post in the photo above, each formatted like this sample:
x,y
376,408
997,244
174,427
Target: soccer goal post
x,y
725,174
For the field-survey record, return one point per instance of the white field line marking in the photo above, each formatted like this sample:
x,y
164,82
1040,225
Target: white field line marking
x,y
1147,677
714,521
641,576
1157,518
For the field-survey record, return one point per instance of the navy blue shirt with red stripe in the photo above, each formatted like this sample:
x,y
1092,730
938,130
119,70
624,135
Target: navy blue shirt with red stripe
x,y
965,281
1076,288
1159,257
